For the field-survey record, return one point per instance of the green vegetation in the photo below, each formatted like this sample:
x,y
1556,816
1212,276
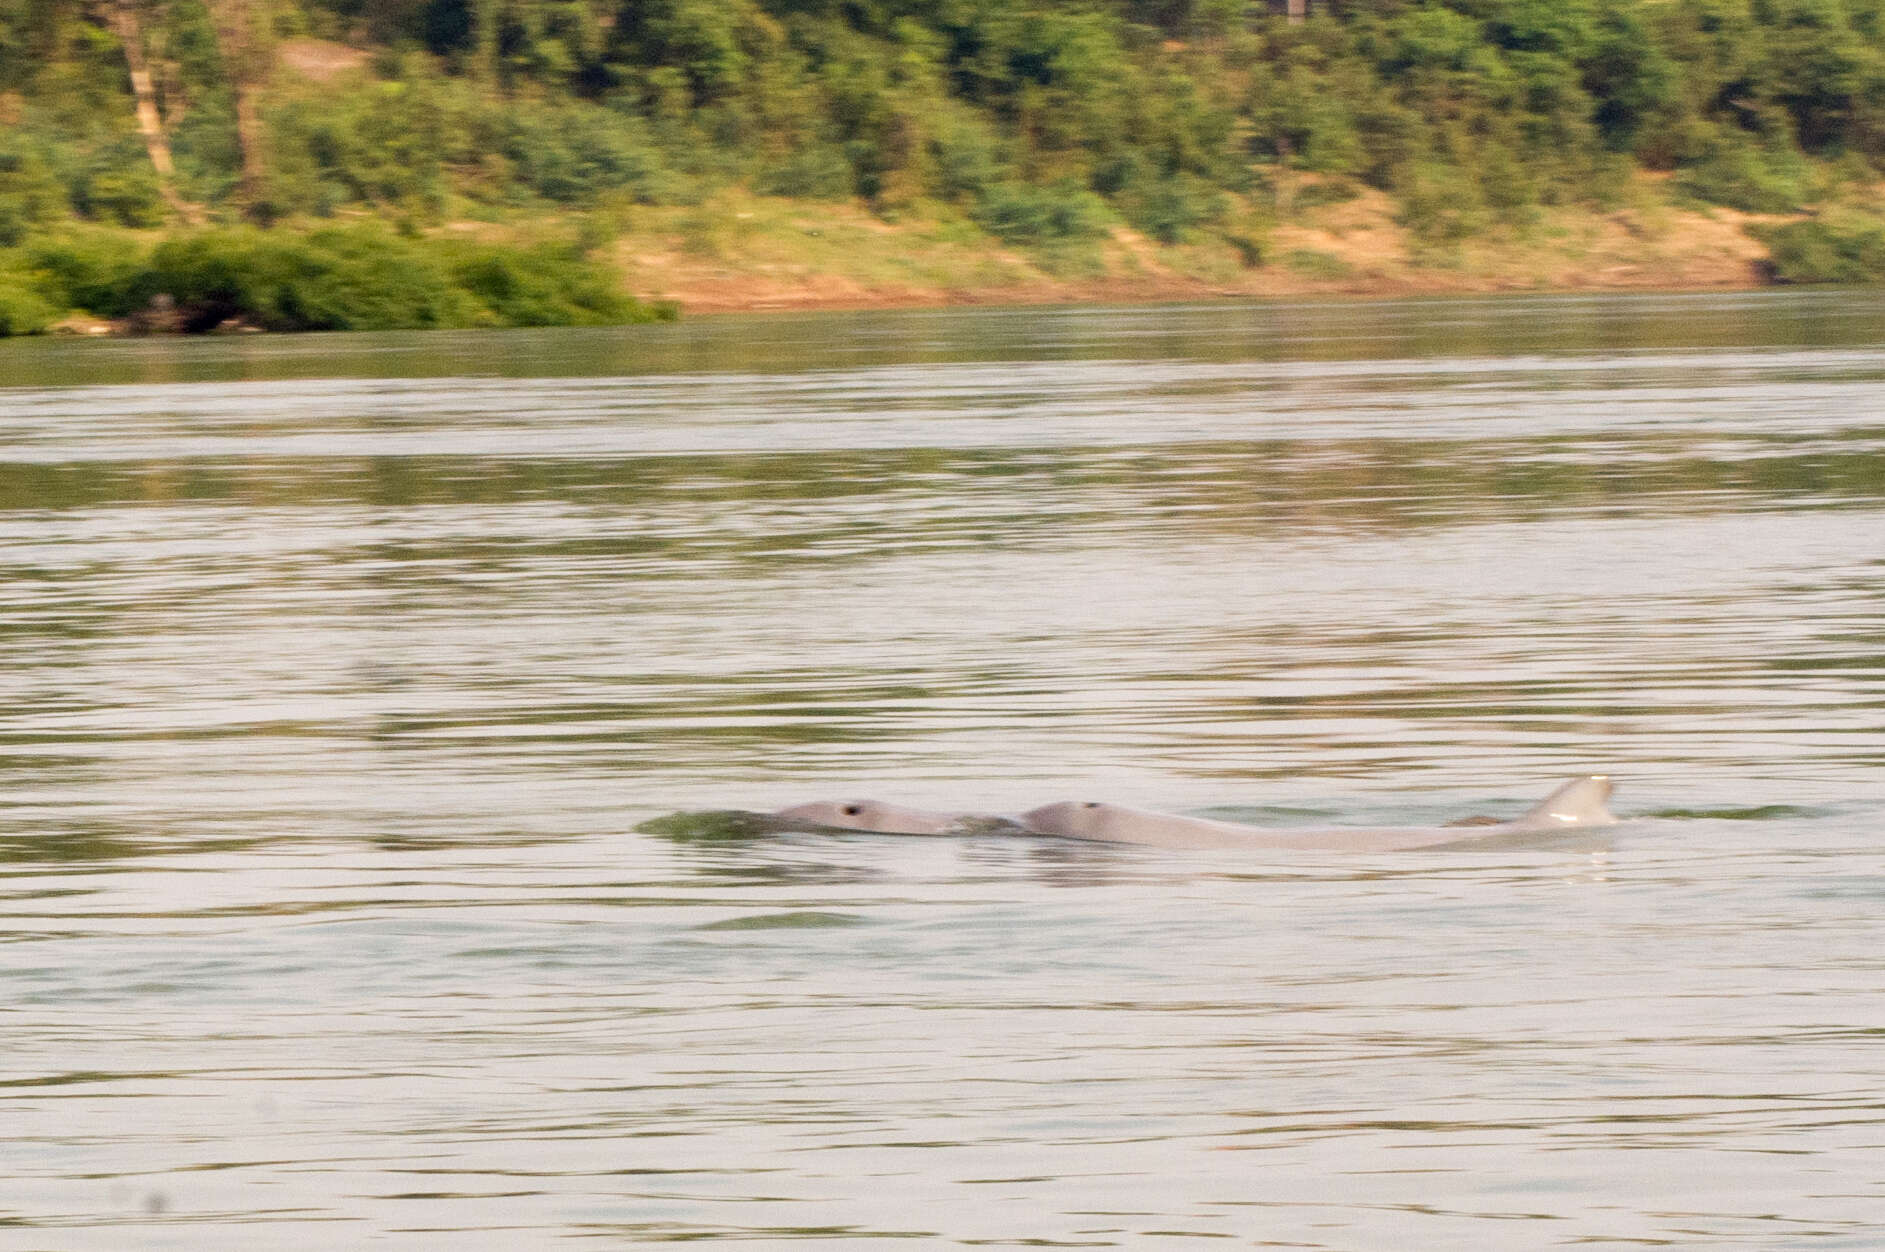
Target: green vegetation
x,y
1848,248
1042,124
1315,264
355,277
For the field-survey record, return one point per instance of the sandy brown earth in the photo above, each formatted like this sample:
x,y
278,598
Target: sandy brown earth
x,y
752,259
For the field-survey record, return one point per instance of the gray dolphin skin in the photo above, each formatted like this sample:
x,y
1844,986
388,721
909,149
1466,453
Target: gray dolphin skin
x,y
878,817
1578,804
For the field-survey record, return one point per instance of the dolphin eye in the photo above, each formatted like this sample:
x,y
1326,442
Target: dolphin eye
x,y
1091,804
852,810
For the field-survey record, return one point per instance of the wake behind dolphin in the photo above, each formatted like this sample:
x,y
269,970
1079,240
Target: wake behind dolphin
x,y
1581,803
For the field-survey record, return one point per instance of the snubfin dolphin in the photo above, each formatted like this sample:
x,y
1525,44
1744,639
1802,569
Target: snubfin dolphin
x,y
1579,803
887,819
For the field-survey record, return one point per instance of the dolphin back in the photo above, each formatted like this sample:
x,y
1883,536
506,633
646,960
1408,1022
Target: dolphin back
x,y
1580,802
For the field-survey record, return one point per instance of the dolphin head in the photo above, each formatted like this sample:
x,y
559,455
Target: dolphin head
x,y
872,815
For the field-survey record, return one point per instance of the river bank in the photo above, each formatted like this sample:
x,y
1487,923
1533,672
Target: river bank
x,y
737,252
742,253
772,154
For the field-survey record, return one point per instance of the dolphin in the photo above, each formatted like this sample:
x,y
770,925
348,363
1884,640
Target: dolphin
x,y
889,819
1578,804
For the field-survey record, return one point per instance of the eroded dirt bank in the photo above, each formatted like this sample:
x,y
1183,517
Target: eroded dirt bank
x,y
745,254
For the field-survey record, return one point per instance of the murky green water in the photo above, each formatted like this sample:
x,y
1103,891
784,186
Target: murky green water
x,y
337,674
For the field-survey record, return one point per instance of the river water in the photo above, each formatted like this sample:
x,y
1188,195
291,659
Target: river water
x,y
369,707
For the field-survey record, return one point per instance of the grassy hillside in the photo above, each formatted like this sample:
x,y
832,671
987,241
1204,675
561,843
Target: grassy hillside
x,y
958,148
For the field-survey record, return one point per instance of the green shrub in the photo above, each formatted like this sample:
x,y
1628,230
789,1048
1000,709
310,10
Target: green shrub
x,y
548,285
386,143
22,310
1510,191
1313,263
1171,209
1735,172
13,221
91,269
816,172
965,156
1017,213
124,195
577,153
1327,191
30,195
1440,204
333,279
359,277
1819,251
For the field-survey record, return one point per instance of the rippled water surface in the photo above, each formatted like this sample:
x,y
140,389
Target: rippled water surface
x,y
366,704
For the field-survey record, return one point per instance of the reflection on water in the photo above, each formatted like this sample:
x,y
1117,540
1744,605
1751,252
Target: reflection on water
x,y
352,686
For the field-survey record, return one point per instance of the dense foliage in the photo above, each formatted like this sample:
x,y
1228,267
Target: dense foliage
x,y
1851,250
1037,120
358,277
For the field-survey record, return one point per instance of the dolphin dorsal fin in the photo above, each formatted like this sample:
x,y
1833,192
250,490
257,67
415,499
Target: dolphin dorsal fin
x,y
1580,802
